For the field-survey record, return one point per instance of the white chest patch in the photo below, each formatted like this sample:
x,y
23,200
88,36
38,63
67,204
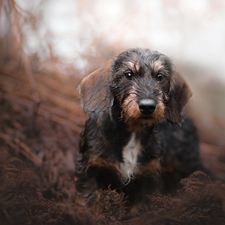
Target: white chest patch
x,y
130,156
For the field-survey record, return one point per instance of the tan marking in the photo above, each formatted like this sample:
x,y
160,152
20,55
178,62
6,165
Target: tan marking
x,y
132,115
151,168
130,64
130,108
159,112
157,66
100,162
135,66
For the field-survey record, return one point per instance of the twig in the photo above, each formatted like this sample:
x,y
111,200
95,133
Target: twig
x,y
44,110
30,75
212,149
24,149
65,123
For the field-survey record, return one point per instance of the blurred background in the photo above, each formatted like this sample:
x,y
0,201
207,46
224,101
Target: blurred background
x,y
81,35
49,46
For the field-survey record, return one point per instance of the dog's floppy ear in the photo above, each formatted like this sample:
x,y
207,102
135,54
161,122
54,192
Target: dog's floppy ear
x,y
180,93
95,90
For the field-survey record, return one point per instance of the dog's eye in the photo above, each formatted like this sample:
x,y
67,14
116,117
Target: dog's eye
x,y
160,77
129,75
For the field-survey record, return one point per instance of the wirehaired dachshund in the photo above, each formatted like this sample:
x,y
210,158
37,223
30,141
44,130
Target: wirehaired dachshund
x,y
137,137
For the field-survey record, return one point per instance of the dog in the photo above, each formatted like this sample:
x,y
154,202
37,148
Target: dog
x,y
137,137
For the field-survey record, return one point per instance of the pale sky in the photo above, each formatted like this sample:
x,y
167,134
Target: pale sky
x,y
190,31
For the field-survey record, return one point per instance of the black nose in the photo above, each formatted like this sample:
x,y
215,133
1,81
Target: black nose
x,y
147,106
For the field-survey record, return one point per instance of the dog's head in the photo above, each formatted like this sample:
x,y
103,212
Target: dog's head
x,y
144,83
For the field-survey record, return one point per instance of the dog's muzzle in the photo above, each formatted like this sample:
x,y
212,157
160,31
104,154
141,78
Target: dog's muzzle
x,y
147,106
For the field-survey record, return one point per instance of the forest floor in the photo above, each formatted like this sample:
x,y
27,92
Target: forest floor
x,y
40,124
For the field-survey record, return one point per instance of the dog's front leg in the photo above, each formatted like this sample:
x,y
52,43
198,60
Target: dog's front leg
x,y
137,197
86,187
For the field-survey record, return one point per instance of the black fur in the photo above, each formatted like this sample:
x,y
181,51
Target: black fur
x,y
166,150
